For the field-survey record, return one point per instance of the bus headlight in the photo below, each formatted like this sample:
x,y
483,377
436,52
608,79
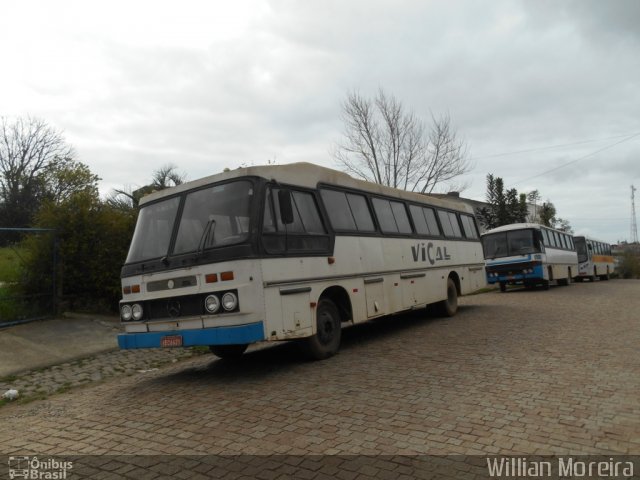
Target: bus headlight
x,y
229,301
125,313
136,311
211,303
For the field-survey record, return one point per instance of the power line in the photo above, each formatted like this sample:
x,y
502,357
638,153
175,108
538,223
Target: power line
x,y
577,159
550,147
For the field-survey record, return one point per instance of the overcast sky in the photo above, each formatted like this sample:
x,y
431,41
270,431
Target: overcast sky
x,y
531,85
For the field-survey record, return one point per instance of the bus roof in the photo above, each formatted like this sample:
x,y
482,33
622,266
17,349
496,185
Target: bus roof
x,y
520,226
591,239
308,175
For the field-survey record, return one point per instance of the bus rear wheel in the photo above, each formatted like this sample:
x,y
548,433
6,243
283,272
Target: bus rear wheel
x,y
449,307
228,351
326,342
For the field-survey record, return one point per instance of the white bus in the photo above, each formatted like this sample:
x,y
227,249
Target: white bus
x,y
289,252
594,259
529,254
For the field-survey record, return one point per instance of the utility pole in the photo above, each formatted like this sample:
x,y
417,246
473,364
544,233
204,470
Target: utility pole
x,y
634,226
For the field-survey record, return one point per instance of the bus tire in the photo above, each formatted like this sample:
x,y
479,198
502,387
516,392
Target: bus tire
x,y
326,342
503,286
545,284
228,351
449,307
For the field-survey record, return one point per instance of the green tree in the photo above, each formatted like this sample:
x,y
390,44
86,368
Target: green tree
x,y
547,215
92,239
504,207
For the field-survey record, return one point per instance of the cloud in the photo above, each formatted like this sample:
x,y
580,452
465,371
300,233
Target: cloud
x,y
136,86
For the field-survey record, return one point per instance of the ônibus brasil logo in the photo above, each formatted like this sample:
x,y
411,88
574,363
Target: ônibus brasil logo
x,y
34,468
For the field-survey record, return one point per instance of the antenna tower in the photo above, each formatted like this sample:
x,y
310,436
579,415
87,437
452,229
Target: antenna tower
x,y
634,226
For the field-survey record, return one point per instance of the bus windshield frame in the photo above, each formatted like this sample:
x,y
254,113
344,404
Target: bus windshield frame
x,y
215,216
511,243
581,249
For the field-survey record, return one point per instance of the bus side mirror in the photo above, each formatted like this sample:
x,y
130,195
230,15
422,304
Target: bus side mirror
x,y
286,207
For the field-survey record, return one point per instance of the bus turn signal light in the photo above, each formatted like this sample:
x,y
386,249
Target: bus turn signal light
x,y
225,276
129,289
211,278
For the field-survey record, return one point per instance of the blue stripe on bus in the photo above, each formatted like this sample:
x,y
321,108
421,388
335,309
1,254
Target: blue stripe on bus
x,y
253,332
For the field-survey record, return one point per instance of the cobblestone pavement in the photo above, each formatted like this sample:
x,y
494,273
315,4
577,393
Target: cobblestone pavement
x,y
523,372
45,381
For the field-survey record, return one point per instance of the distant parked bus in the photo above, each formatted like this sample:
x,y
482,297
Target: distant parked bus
x,y
289,252
594,259
529,254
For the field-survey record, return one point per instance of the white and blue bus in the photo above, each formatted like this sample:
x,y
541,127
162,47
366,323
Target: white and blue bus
x,y
289,252
594,259
529,254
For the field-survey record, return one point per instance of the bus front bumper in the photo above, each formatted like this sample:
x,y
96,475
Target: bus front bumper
x,y
236,335
516,275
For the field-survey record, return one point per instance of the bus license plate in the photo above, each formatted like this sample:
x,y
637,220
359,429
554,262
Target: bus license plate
x,y
171,341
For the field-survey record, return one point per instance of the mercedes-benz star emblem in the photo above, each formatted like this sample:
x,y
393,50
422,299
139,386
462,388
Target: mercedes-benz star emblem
x,y
173,308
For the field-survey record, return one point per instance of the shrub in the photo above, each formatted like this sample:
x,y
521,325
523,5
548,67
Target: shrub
x,y
91,244
629,266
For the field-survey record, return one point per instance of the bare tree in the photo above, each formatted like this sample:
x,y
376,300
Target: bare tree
x,y
29,148
384,143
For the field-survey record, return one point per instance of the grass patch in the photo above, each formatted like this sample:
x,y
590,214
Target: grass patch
x,y
65,387
482,290
11,264
8,379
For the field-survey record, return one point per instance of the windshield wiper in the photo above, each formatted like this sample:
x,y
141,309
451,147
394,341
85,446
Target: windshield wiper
x,y
209,230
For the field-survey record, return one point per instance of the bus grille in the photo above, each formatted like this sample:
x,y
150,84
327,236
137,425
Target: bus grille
x,y
175,307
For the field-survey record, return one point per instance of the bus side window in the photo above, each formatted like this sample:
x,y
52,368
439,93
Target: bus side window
x,y
468,226
392,216
361,213
418,220
545,237
538,241
268,224
450,225
308,213
447,229
347,211
432,223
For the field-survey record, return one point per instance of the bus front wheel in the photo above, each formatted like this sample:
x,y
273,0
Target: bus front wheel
x,y
326,342
503,286
449,307
228,351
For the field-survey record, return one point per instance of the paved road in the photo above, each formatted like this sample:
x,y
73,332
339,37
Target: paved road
x,y
524,372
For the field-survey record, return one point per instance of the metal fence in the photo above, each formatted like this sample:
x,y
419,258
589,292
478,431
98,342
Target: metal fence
x,y
25,294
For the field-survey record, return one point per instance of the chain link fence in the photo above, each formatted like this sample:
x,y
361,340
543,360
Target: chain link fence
x,y
27,292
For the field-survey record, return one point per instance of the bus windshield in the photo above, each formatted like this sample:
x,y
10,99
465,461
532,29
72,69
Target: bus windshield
x,y
581,248
511,243
211,217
